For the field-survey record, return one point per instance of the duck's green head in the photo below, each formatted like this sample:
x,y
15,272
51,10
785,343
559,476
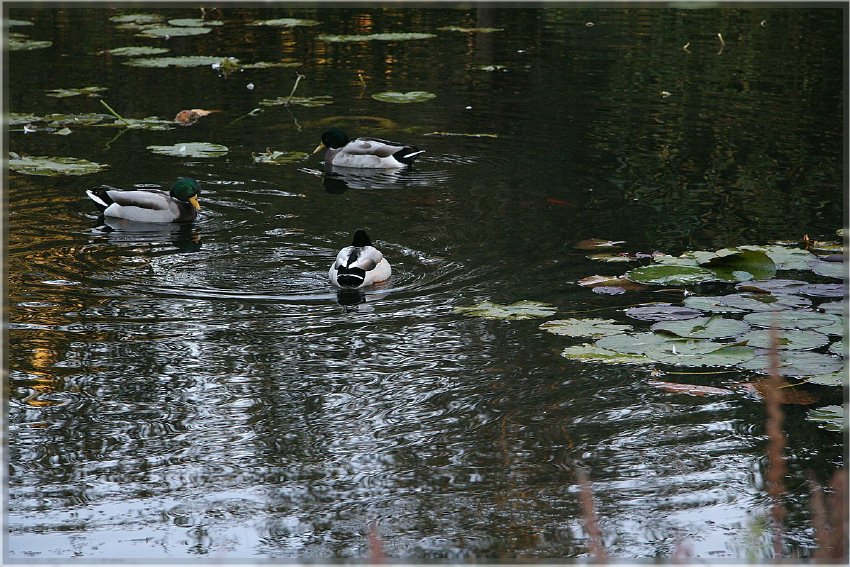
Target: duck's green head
x,y
333,138
187,189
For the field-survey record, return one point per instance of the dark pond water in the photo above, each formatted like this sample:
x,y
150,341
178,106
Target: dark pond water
x,y
199,392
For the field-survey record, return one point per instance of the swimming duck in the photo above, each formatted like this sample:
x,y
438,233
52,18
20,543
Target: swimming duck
x,y
369,153
359,265
180,204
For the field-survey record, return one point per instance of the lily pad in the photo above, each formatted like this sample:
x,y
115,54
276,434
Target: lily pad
x,y
134,51
764,301
830,418
375,37
182,61
792,319
796,363
173,31
836,270
825,290
470,30
194,22
310,102
839,348
54,166
594,353
148,123
594,328
737,266
607,281
836,379
661,312
786,340
284,23
774,286
11,23
611,258
712,304
634,343
835,307
136,19
191,149
519,310
785,257
20,42
715,327
396,97
661,274
19,118
64,93
692,354
280,158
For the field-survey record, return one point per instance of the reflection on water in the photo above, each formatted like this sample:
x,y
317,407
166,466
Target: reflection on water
x,y
201,390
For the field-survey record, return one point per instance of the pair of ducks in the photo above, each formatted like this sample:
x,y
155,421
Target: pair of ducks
x,y
356,266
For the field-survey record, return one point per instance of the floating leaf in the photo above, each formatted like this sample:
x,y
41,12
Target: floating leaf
x,y
763,301
791,319
732,266
690,389
280,158
270,64
610,258
830,418
796,363
834,307
785,340
519,310
18,119
784,257
594,328
375,37
636,343
661,312
594,353
837,270
11,23
284,23
775,286
194,22
313,101
676,351
715,327
470,30
191,149
87,91
839,348
825,290
836,379
713,304
148,123
20,42
54,166
396,97
608,281
136,19
173,32
596,243
134,51
608,290
183,61
188,117
670,275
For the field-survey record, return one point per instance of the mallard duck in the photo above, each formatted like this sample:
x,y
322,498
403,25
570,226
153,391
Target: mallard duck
x,y
370,153
359,265
150,205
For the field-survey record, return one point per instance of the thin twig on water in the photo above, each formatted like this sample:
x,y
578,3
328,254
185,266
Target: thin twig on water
x,y
112,111
295,86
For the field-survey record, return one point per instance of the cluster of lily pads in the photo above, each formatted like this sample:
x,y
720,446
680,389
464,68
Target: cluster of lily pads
x,y
735,330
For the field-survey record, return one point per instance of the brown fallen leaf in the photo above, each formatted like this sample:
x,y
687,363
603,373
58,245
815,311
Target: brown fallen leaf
x,y
692,389
189,117
608,281
596,243
788,394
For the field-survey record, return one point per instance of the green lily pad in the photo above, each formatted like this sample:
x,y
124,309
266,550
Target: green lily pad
x,y
661,274
785,257
64,93
584,327
148,123
712,304
191,149
19,118
20,42
54,166
310,102
134,51
830,418
839,348
774,286
470,30
837,270
797,363
375,37
792,319
786,340
834,328
284,23
715,327
661,312
736,266
833,379
194,22
396,97
173,31
280,158
764,301
11,23
835,307
183,61
634,343
692,354
519,310
136,19
594,353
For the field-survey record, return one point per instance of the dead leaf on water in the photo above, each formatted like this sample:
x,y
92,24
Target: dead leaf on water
x,y
189,117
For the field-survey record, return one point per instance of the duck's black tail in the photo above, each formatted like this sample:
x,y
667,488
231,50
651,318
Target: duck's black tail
x,y
407,154
350,277
100,196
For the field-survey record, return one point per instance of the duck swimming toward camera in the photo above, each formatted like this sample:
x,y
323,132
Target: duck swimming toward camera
x,y
180,204
365,153
359,265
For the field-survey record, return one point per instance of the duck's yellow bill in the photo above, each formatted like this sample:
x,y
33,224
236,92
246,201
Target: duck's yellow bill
x,y
193,200
319,148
